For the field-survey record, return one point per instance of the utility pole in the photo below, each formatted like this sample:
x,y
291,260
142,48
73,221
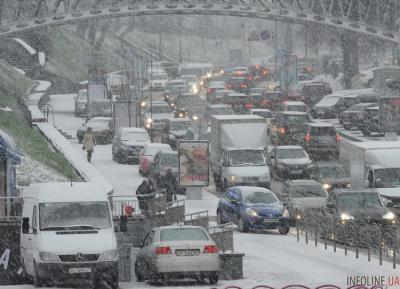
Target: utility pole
x,y
180,40
276,50
151,97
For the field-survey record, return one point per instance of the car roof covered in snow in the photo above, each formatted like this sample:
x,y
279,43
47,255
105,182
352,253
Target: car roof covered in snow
x,y
320,124
293,113
237,116
67,192
289,148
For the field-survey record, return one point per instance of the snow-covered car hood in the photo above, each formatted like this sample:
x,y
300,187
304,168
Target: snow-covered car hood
x,y
389,192
291,162
249,171
309,203
86,243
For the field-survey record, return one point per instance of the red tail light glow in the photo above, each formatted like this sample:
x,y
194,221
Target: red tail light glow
x,y
307,138
337,138
248,106
212,249
163,251
210,90
282,130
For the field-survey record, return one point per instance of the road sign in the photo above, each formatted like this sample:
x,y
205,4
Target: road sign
x,y
267,35
254,36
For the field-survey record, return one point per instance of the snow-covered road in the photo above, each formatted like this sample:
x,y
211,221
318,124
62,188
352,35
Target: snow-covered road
x,y
270,259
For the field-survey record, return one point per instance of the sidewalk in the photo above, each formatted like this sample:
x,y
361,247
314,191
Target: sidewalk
x,y
85,170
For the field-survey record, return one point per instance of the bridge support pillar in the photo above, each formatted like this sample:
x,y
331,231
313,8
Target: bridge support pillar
x,y
350,58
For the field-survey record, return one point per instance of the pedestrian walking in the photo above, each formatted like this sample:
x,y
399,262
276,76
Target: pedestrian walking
x,y
144,194
89,141
170,186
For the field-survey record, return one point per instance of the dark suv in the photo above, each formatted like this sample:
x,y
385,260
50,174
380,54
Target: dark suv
x,y
321,140
288,126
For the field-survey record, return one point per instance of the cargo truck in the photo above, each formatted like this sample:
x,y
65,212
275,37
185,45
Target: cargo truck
x,y
238,151
375,164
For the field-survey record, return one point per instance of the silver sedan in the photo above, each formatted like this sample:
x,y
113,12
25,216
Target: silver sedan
x,y
174,252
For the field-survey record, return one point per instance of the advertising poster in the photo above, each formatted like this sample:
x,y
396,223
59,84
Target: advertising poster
x,y
193,163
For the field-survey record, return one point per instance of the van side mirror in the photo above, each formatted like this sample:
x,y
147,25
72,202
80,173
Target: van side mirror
x,y
390,204
123,224
25,225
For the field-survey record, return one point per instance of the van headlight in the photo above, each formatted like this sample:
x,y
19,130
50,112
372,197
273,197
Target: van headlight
x,y
109,255
346,217
389,216
327,186
233,178
48,257
251,212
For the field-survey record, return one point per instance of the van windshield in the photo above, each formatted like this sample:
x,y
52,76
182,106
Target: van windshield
x,y
74,215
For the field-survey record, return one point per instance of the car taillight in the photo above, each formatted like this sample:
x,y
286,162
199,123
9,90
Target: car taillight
x,y
248,106
210,90
212,249
282,130
337,138
251,78
307,138
163,250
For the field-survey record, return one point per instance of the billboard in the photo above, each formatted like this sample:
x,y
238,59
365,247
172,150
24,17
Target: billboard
x,y
193,163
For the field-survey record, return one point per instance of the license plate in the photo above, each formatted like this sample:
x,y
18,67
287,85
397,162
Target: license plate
x,y
79,270
187,252
296,172
269,221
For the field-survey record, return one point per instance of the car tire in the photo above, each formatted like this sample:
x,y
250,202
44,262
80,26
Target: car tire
x,y
139,277
213,278
284,230
243,228
220,220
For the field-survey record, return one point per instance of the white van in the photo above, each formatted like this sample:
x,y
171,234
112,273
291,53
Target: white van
x,y
67,234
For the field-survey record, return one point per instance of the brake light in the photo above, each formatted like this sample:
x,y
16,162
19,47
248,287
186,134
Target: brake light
x,y
211,249
251,78
163,250
248,106
282,130
307,138
337,138
210,90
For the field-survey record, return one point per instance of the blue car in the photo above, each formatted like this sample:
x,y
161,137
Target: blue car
x,y
253,208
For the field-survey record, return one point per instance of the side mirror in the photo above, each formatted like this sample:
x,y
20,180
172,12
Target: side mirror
x,y
390,204
123,224
25,225
366,184
235,202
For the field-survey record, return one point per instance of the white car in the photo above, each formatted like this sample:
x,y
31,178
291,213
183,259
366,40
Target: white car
x,y
173,252
159,81
156,114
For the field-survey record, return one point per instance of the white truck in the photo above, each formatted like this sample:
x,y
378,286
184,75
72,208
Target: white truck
x,y
374,164
67,234
238,151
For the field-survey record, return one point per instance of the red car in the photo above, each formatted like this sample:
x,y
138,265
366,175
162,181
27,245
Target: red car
x,y
147,154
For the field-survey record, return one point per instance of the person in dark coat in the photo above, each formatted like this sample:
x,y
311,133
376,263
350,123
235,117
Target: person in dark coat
x,y
143,194
170,185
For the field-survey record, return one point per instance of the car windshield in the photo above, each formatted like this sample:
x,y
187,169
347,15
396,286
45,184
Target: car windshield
x,y
169,160
323,131
258,197
294,118
264,114
336,172
359,200
189,78
307,191
101,106
158,109
183,234
78,215
97,123
159,77
290,154
179,125
387,178
135,136
247,157
295,107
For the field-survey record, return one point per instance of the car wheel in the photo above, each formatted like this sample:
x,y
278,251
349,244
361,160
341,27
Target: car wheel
x,y
213,278
284,230
139,276
242,226
220,220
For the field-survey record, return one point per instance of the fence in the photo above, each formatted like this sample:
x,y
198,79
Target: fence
x,y
10,208
222,235
197,219
362,235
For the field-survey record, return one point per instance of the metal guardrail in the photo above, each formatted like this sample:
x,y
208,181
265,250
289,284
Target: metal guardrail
x,y
133,206
198,219
222,235
10,208
362,235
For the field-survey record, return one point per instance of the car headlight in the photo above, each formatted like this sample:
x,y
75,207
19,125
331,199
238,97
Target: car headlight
x,y
348,186
149,120
346,217
389,216
48,257
286,213
233,178
167,96
194,89
251,212
109,255
195,117
327,186
208,75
